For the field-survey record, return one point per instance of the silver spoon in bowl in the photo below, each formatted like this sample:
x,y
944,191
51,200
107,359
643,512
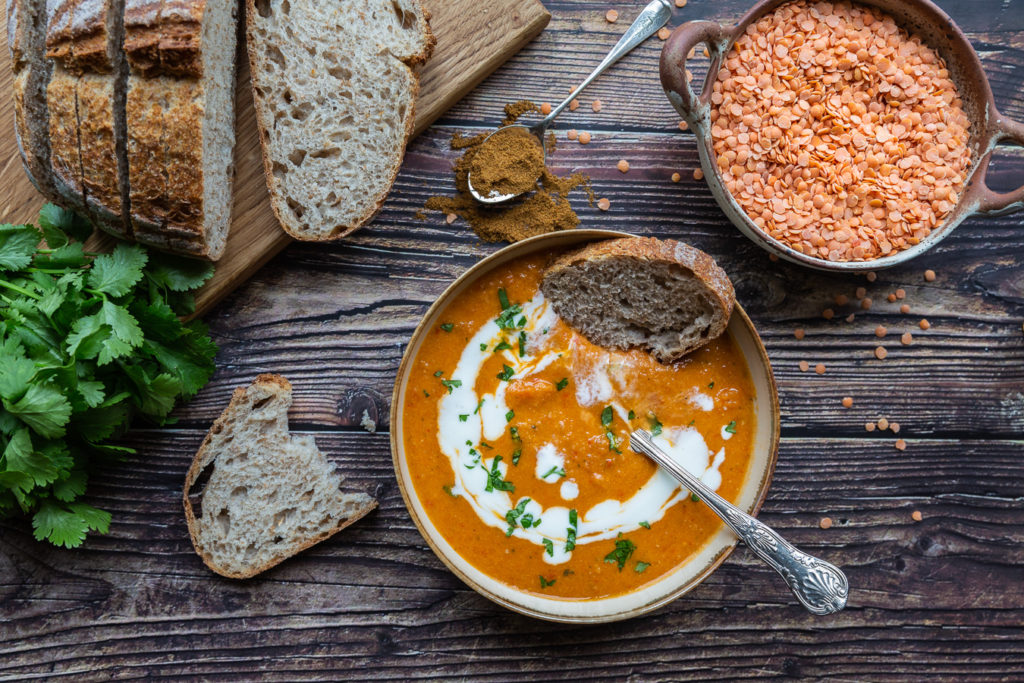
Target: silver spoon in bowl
x,y
653,17
819,586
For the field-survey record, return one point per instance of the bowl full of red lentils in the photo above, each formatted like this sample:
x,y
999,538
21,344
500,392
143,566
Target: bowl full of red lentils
x,y
842,136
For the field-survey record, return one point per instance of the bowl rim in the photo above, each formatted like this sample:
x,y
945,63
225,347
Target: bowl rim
x,y
566,240
962,59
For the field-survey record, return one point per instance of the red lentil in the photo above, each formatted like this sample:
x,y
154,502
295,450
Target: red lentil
x,y
883,424
545,108
804,366
676,177
698,174
916,515
584,138
865,303
596,105
924,324
901,445
848,402
611,16
828,314
880,352
905,308
623,165
664,33
604,204
820,368
907,339
929,275
880,331
799,333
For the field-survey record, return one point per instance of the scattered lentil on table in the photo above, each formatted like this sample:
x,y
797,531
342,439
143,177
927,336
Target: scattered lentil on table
x,y
611,16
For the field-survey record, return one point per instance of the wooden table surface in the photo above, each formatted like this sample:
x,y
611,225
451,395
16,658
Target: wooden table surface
x,y
943,597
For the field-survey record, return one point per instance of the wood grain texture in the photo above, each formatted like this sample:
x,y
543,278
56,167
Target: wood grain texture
x,y
939,599
472,41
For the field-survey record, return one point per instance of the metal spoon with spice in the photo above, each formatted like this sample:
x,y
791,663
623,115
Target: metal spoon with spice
x,y
501,187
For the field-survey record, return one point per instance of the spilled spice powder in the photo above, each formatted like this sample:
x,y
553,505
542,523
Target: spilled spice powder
x,y
545,210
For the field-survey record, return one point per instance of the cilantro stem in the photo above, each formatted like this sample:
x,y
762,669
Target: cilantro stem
x,y
19,290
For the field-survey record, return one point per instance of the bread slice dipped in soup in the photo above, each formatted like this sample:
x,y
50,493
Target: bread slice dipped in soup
x,y
516,424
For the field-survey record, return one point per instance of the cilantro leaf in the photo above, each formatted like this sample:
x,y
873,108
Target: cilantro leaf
x,y
44,409
17,245
15,375
115,273
178,274
22,457
67,525
57,222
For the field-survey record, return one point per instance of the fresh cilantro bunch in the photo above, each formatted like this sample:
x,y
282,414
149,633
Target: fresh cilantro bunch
x,y
87,343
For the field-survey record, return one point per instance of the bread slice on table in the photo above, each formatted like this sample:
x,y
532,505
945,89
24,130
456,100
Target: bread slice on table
x,y
180,113
26,39
641,292
335,92
270,494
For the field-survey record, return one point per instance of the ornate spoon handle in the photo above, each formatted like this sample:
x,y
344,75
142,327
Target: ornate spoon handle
x,y
821,587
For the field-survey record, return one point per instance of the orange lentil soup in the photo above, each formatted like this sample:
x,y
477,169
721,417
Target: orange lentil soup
x,y
516,431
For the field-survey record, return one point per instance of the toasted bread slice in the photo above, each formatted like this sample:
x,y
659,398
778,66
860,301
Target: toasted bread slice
x,y
270,494
335,91
660,295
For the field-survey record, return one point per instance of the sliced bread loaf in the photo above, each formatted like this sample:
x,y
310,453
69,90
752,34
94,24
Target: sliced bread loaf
x,y
660,295
180,113
270,494
62,106
26,39
335,91
98,32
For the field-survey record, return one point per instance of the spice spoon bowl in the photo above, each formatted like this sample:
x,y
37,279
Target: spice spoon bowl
x,y
655,15
821,587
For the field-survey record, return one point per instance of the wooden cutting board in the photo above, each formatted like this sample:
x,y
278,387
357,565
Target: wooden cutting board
x,y
473,39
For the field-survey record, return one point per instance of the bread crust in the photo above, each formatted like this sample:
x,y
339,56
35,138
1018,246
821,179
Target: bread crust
x,y
651,249
275,385
263,113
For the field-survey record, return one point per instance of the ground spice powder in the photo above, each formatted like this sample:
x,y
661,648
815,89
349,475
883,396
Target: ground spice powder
x,y
545,210
508,162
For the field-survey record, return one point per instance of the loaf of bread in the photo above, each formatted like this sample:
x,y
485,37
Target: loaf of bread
x,y
180,113
335,89
26,39
641,292
147,151
269,494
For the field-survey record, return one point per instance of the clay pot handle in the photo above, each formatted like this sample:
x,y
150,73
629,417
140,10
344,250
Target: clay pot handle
x,y
693,108
990,201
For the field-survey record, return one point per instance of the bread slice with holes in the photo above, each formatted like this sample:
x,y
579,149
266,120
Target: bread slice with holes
x,y
641,292
335,88
269,494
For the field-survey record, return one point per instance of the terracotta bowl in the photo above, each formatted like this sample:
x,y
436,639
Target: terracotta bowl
x,y
649,597
920,17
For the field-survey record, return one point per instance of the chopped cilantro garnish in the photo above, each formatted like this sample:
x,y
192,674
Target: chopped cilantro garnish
x,y
562,383
451,384
731,427
549,546
623,551
448,490
607,415
426,393
438,373
502,298
514,433
484,444
711,386
506,373
495,480
478,406
447,327
655,425
513,515
544,583
483,347
641,566
502,345
516,454
646,525
526,521
613,443
554,470
521,322
463,418
509,415
570,533
632,415
522,344
694,497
